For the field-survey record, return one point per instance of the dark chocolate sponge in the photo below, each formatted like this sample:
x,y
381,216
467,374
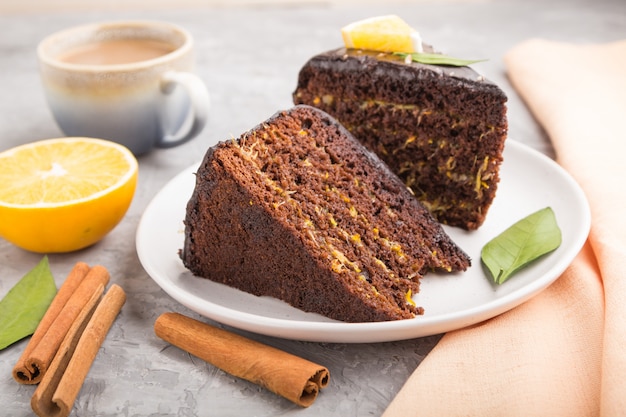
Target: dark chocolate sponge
x,y
299,210
441,129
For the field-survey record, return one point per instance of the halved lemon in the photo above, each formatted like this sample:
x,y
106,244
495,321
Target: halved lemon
x,y
61,195
382,33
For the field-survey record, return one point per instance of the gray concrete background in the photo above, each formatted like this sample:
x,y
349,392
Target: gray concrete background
x,y
249,55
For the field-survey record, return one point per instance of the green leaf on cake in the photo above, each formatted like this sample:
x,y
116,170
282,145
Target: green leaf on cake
x,y
438,59
23,307
520,244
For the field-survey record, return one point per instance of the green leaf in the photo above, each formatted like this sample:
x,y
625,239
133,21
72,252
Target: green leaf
x,y
438,59
23,307
525,241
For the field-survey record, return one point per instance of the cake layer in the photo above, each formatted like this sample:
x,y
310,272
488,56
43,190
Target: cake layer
x,y
440,129
299,210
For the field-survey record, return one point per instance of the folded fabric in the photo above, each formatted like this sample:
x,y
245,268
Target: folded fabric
x,y
563,353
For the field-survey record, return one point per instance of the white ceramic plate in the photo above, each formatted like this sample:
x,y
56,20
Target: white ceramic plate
x,y
529,181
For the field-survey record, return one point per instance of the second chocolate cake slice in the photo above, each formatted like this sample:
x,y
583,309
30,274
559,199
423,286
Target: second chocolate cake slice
x,y
441,129
298,209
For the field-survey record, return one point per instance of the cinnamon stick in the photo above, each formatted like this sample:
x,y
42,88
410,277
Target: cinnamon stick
x,y
292,377
57,392
41,401
22,372
79,287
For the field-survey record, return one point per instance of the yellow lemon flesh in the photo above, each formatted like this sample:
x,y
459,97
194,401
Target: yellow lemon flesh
x,y
382,33
61,195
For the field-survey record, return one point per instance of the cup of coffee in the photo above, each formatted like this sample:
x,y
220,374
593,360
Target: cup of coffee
x,y
130,82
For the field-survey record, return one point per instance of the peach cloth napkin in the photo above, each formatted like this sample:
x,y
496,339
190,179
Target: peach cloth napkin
x,y
563,353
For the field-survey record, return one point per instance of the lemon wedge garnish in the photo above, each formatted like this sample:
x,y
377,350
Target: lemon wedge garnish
x,y
382,33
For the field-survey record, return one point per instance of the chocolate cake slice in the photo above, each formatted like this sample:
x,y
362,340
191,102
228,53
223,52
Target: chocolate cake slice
x,y
441,129
299,210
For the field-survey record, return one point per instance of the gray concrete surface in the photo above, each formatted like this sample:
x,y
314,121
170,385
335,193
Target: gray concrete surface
x,y
249,57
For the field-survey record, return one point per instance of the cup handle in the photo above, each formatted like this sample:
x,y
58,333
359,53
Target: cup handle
x,y
199,106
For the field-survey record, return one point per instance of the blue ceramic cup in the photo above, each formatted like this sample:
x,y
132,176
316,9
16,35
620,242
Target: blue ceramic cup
x,y
130,82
